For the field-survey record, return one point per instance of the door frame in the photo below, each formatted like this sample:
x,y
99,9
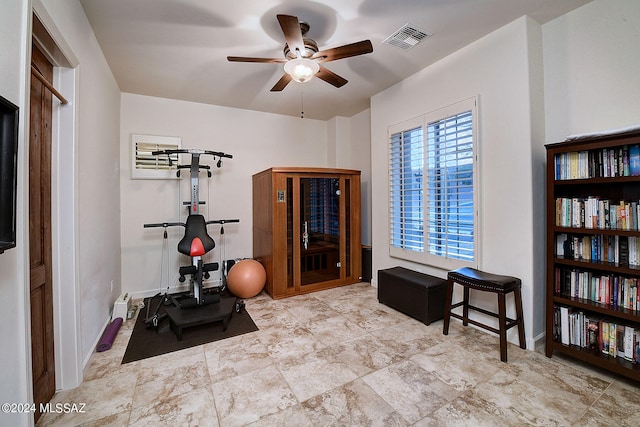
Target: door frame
x,y
64,211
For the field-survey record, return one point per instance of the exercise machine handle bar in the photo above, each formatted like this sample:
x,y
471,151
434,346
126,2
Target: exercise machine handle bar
x,y
182,224
222,221
192,151
205,167
164,224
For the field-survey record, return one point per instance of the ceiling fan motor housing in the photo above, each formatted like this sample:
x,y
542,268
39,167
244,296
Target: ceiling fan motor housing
x,y
310,45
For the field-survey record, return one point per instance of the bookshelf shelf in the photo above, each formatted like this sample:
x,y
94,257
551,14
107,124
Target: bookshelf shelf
x,y
593,273
613,364
599,265
596,307
590,231
597,181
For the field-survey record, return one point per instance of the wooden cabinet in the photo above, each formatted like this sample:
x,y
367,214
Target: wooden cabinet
x,y
593,204
307,229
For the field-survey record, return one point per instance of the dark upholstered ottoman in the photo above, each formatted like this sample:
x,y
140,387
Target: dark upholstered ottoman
x,y
415,294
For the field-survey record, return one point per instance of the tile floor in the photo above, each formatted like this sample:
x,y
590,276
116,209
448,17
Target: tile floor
x,y
339,358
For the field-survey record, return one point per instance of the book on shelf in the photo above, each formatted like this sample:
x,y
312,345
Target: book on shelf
x,y
599,163
615,250
594,212
600,334
628,338
564,325
593,331
614,290
634,160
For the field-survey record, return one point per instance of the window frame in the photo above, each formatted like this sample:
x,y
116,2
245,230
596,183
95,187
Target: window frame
x,y
424,121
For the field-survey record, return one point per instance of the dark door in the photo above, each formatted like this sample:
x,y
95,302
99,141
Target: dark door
x,y
320,230
40,234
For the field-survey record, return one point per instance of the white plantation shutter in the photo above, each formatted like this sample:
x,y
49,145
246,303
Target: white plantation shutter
x,y
433,185
406,205
144,165
450,201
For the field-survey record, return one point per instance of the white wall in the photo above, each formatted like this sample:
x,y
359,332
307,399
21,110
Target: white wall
x,y
360,137
349,147
496,69
257,142
538,174
591,77
15,374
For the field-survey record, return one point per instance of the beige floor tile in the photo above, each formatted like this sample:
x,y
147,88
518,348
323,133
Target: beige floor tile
x,y
315,373
366,354
169,377
98,398
454,365
193,408
293,416
247,398
353,404
410,390
618,405
236,356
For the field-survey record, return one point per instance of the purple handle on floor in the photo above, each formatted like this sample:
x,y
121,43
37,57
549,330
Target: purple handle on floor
x,y
109,335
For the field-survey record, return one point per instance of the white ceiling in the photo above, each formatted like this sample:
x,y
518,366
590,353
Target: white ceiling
x,y
177,49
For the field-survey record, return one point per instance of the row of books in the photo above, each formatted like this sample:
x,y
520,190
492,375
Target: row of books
x,y
598,333
600,163
612,289
616,250
593,212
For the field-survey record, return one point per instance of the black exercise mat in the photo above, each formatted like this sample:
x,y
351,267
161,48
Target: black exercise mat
x,y
147,342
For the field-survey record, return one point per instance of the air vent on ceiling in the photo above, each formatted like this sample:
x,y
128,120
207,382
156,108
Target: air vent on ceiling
x,y
407,37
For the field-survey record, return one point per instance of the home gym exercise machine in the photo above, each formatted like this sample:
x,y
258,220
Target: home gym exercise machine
x,y
196,241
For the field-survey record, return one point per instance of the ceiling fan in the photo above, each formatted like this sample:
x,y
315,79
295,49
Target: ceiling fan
x,y
302,58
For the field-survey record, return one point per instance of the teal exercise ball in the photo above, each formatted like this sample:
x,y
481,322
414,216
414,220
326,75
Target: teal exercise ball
x,y
246,278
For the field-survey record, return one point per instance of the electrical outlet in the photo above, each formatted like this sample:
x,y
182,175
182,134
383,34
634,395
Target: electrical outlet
x,y
112,286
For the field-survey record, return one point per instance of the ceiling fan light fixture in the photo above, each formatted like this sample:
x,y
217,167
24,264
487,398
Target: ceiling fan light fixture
x,y
301,69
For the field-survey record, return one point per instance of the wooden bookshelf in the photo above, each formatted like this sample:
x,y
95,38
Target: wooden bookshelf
x,y
593,265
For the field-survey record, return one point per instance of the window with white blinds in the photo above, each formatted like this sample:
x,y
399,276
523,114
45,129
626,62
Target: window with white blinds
x,y
144,165
433,195
450,203
406,189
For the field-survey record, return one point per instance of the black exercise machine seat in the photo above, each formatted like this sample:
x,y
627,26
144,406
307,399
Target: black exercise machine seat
x,y
196,240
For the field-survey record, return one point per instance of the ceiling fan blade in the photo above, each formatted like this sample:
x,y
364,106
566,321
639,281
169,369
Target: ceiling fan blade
x,y
346,51
292,34
282,83
247,59
331,77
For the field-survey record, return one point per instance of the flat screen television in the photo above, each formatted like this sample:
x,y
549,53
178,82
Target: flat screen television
x,y
8,173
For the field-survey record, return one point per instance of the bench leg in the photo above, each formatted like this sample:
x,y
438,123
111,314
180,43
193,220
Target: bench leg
x,y
519,315
465,306
447,307
502,326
